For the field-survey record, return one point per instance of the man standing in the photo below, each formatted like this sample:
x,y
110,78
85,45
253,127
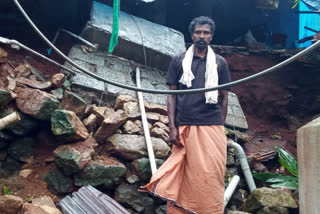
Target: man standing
x,y
192,178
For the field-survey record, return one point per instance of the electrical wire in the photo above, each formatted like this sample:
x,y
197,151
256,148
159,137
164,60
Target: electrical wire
x,y
187,91
14,42
144,48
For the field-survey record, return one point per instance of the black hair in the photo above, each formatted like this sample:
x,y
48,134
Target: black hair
x,y
202,20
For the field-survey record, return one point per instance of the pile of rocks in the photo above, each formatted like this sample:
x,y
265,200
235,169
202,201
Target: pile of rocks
x,y
10,204
102,146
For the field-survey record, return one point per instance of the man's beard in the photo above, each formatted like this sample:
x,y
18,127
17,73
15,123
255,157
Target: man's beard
x,y
201,44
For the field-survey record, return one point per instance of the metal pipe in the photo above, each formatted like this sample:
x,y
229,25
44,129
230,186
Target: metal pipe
x,y
145,125
187,91
311,12
230,189
313,30
244,165
81,39
14,42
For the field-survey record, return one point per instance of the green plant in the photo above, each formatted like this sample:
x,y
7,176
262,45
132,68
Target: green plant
x,y
278,180
295,3
5,190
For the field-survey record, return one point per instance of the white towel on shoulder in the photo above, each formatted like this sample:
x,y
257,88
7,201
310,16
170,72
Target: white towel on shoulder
x,y
211,75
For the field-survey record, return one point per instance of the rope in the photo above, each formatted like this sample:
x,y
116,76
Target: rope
x,y
187,91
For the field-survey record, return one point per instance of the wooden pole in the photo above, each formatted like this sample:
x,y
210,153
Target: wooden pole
x,y
145,125
308,140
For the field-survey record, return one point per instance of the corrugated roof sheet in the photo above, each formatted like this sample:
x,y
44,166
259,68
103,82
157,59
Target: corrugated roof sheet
x,y
89,200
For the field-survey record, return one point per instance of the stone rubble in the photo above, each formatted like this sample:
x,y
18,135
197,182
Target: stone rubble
x,y
102,146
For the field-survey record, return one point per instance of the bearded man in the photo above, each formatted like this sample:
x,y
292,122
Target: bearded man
x,y
192,178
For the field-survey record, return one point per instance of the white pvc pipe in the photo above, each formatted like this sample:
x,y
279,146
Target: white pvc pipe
x,y
145,125
244,165
8,120
230,189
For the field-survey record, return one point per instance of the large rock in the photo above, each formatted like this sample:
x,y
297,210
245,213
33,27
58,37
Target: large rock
x,y
134,127
161,126
143,169
100,112
36,103
25,125
131,127
11,165
23,70
237,135
72,158
73,102
153,117
122,99
34,83
5,97
161,43
140,202
267,197
152,107
67,126
160,133
132,110
57,80
58,93
21,148
103,170
57,182
3,56
132,147
10,204
39,209
91,123
273,210
44,200
161,209
109,125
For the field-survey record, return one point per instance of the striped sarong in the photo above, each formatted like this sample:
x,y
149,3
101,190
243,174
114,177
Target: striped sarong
x,y
192,178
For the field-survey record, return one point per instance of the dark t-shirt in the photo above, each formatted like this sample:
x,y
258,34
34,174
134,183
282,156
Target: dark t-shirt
x,y
191,109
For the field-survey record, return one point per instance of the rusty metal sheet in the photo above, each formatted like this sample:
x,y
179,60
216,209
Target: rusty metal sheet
x,y
90,200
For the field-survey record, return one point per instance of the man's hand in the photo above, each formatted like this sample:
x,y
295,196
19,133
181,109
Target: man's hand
x,y
174,136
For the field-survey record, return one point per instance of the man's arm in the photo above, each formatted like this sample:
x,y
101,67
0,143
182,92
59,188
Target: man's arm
x,y
174,133
224,104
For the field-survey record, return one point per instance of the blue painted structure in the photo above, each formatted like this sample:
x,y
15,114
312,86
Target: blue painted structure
x,y
309,20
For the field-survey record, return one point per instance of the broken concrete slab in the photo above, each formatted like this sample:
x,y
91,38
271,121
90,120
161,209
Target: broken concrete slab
x,y
115,69
161,43
235,117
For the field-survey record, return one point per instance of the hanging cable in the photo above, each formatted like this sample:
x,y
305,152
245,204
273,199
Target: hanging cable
x,y
142,43
187,91
14,42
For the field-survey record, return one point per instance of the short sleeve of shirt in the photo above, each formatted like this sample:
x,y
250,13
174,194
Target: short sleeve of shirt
x,y
223,72
173,74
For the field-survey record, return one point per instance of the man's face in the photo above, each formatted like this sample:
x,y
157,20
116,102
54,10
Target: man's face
x,y
201,36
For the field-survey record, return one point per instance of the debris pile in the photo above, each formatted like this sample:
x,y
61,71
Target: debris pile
x,y
101,146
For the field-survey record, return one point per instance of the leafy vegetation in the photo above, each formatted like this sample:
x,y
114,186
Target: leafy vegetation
x,y
5,190
278,180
